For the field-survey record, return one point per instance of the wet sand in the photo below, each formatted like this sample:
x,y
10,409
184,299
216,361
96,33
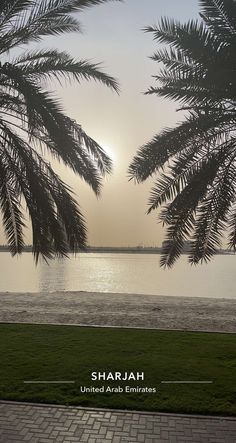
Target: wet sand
x,y
125,310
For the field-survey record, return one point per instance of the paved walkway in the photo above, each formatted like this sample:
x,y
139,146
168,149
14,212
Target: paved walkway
x,y
24,422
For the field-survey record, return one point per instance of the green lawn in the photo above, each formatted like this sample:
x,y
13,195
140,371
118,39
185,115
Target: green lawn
x,y
36,352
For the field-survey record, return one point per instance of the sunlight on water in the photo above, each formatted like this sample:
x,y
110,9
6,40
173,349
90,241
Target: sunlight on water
x,y
124,273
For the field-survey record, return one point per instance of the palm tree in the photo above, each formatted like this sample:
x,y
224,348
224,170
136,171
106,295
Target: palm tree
x,y
32,123
195,161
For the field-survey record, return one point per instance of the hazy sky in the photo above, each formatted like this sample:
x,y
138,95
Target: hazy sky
x,y
112,34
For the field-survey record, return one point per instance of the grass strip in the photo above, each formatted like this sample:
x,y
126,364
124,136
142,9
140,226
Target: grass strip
x,y
68,353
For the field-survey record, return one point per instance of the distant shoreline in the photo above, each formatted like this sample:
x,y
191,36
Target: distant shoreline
x,y
121,250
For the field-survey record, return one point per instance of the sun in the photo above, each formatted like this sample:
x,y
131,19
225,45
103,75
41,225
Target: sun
x,y
109,151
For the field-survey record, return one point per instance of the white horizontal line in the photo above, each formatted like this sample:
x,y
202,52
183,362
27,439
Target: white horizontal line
x,y
187,381
48,381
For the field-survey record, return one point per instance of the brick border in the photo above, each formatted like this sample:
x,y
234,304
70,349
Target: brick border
x,y
118,411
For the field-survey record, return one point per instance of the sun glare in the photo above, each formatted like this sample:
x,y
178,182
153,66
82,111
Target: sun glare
x,y
109,151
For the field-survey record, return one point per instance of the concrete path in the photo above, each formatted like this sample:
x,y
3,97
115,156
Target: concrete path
x,y
132,310
25,422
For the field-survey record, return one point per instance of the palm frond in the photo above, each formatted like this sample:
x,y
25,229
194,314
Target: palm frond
x,y
43,112
13,220
197,129
9,9
33,123
195,161
93,149
231,223
55,64
192,39
179,215
211,218
220,17
57,223
175,60
45,17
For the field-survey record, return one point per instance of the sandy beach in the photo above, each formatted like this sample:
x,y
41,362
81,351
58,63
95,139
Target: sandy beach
x,y
127,310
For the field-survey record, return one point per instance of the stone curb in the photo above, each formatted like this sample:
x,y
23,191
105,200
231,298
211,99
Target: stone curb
x,y
206,331
118,411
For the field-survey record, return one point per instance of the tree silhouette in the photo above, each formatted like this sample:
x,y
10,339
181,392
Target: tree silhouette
x,y
195,161
32,123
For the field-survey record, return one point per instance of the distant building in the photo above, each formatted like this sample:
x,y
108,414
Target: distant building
x,y
186,246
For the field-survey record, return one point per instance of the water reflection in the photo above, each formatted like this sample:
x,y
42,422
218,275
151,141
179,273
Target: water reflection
x,y
124,273
52,276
